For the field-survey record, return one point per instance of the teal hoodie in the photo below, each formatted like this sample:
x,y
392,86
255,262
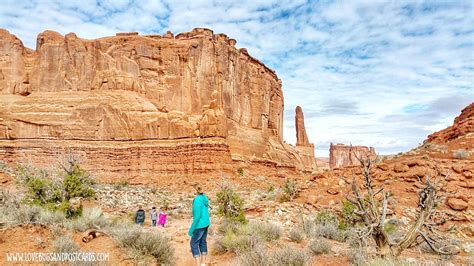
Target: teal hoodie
x,y
200,213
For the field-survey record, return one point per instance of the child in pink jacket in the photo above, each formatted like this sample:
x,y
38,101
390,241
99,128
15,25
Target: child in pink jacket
x,y
162,217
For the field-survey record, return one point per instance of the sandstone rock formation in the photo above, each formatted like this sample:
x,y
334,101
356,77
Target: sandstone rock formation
x,y
463,125
454,142
150,104
304,148
301,137
341,155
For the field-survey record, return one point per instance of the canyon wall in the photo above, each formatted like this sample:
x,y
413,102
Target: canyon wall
x,y
147,90
341,155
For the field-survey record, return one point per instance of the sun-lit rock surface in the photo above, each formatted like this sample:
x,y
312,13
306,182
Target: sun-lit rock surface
x,y
114,96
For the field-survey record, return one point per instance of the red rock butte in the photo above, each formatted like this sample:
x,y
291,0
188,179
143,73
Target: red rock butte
x,y
143,105
341,155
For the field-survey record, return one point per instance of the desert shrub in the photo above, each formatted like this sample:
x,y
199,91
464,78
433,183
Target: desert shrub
x,y
348,214
460,154
237,243
326,218
308,225
55,192
267,231
91,218
65,244
51,218
320,246
141,243
230,204
290,256
390,227
357,256
289,190
121,184
229,225
240,171
329,231
296,235
255,257
377,261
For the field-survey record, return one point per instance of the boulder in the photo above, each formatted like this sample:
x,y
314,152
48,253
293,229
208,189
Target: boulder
x,y
457,204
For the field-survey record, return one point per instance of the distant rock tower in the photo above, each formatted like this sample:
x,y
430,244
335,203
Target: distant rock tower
x,y
301,137
303,146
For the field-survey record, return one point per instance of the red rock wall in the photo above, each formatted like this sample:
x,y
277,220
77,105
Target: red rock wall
x,y
139,161
137,88
341,155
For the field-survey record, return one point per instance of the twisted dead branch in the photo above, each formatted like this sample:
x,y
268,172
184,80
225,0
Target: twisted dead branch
x,y
371,205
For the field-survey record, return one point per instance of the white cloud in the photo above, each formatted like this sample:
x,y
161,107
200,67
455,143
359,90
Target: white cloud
x,y
355,67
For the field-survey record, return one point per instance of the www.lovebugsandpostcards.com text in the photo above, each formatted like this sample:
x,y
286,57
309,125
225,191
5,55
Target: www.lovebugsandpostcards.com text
x,y
56,257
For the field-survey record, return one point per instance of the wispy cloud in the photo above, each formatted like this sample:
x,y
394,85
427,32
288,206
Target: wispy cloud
x,y
378,73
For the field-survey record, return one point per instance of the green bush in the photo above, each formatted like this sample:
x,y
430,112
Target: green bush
x,y
289,190
121,184
55,192
240,171
230,204
320,246
326,217
348,214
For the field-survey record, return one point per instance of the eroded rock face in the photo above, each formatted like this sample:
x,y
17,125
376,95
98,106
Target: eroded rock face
x,y
303,146
463,125
301,137
341,155
128,87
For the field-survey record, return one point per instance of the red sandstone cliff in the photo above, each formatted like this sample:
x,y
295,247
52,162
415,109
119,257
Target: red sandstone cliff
x,y
140,93
463,125
341,155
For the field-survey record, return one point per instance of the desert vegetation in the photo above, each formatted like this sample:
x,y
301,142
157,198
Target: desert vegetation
x,y
46,199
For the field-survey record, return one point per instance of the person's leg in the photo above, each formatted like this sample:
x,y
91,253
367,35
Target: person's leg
x,y
203,245
153,222
197,234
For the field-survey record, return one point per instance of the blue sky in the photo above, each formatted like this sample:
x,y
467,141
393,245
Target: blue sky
x,y
377,73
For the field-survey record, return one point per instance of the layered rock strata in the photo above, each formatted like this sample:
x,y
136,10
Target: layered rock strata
x,y
137,89
341,155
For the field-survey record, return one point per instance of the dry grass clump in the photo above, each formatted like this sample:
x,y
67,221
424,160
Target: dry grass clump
x,y
141,243
65,244
91,218
239,237
267,231
286,256
320,246
296,235
291,257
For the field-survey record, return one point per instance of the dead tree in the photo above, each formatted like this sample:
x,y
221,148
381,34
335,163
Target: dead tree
x,y
371,202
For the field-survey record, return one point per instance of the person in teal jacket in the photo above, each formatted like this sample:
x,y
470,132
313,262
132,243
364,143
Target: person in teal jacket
x,y
198,229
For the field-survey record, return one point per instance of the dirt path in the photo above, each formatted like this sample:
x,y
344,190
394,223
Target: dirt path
x,y
177,230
